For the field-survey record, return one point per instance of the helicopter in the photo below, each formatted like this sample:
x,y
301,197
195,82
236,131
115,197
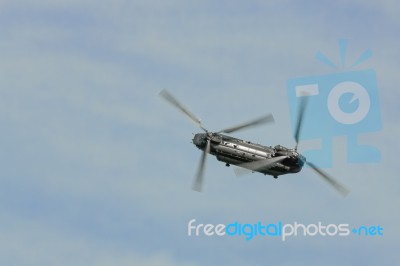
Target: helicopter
x,y
248,156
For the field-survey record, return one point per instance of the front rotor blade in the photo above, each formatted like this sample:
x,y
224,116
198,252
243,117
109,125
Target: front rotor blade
x,y
300,116
340,188
169,98
257,165
265,119
198,182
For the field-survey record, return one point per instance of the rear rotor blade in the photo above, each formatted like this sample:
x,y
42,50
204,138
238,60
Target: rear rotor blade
x,y
265,119
169,98
340,188
300,116
198,182
257,165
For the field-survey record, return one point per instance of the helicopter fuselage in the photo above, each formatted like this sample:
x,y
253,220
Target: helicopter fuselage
x,y
239,152
274,161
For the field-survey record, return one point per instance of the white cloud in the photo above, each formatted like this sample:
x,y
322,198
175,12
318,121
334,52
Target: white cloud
x,y
30,242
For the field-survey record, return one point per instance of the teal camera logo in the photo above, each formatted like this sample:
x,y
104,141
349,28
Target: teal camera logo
x,y
343,103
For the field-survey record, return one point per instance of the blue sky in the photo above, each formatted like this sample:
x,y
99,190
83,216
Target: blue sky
x,y
97,170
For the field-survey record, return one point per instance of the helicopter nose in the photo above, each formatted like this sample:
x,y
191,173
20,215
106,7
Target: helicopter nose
x,y
199,140
302,160
298,157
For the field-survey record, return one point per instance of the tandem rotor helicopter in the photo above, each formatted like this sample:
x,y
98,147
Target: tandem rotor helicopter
x,y
274,161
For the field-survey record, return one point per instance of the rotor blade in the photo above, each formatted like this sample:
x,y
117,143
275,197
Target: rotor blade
x,y
265,119
241,171
257,165
198,182
340,188
300,116
169,98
